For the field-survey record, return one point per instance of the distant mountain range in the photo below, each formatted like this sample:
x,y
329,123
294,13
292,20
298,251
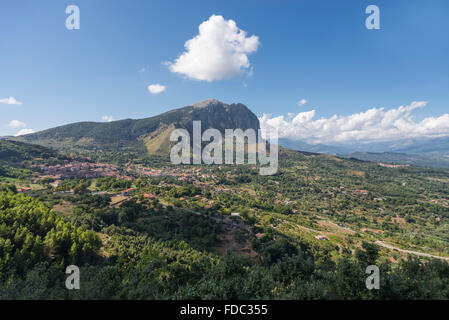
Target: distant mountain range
x,y
425,160
411,146
314,148
431,152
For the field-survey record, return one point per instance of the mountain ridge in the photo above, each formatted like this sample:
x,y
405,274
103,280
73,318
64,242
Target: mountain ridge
x,y
150,135
427,152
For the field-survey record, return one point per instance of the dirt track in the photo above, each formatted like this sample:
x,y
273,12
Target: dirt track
x,y
417,253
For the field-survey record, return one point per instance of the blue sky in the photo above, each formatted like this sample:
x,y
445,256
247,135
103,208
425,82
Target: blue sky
x,y
320,51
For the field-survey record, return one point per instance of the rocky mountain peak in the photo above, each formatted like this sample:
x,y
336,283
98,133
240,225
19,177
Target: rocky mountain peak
x,y
208,103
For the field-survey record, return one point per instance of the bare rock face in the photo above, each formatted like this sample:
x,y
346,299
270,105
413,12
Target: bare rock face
x,y
207,103
221,116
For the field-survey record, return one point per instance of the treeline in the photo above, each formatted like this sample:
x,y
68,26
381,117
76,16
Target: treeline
x,y
148,217
31,233
15,151
142,268
158,253
112,184
9,171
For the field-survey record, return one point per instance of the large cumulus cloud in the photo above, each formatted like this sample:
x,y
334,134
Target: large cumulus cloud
x,y
219,51
373,125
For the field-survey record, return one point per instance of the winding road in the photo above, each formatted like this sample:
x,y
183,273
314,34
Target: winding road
x,y
379,243
417,253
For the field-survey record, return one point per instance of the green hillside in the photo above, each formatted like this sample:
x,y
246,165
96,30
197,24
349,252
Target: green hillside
x,y
425,160
16,151
13,154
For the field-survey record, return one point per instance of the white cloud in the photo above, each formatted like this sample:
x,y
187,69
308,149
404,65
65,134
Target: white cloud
x,y
219,51
373,125
156,88
107,118
17,124
24,131
302,102
11,101
250,72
